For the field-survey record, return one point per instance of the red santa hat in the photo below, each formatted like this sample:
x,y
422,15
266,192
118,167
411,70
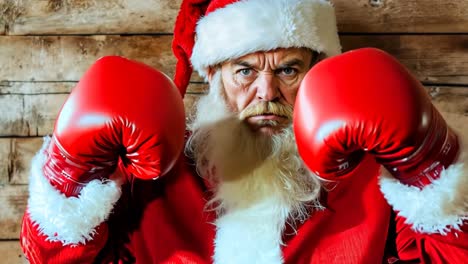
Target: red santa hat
x,y
207,33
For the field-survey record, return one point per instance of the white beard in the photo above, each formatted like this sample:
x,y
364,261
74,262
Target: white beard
x,y
260,182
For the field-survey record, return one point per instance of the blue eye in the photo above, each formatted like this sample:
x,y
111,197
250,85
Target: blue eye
x,y
288,71
245,72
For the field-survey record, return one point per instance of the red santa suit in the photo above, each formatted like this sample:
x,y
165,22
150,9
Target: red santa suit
x,y
371,218
166,221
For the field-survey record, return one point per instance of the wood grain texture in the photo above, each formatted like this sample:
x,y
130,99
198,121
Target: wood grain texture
x,y
20,154
9,11
15,158
402,16
435,59
29,115
2,27
23,88
13,199
453,104
442,59
29,17
11,87
5,164
11,252
66,58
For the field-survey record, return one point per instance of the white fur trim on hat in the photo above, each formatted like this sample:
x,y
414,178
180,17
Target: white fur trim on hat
x,y
69,220
439,207
260,25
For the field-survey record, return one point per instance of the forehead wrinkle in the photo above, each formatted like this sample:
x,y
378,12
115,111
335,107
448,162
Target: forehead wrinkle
x,y
273,60
240,62
254,60
289,63
292,62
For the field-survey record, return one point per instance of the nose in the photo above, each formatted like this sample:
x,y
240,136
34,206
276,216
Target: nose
x,y
267,87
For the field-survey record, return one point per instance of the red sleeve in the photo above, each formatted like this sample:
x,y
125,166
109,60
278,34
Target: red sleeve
x,y
38,249
431,248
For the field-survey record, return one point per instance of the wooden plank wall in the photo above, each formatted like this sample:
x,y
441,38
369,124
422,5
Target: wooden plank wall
x,y
46,45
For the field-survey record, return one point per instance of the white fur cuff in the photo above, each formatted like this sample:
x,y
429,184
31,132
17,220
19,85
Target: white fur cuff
x,y
437,208
69,220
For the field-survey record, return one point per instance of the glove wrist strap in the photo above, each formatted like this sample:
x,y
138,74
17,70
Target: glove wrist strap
x,y
69,175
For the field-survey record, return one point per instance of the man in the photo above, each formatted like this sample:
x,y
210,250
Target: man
x,y
243,192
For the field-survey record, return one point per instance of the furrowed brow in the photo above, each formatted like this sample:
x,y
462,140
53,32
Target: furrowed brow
x,y
242,63
293,62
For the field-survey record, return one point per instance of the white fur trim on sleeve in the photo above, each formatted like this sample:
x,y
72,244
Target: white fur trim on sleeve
x,y
69,220
437,208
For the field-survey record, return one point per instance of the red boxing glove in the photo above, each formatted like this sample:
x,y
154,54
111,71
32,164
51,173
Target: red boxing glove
x,y
366,101
120,108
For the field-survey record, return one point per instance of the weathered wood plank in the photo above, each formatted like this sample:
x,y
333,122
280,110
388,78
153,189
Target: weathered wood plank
x,y
453,104
5,164
59,58
91,17
2,27
196,88
29,115
8,12
407,16
442,59
436,59
11,252
11,87
16,155
13,200
158,16
21,152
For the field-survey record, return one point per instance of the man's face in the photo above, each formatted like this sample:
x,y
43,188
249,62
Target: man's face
x,y
262,86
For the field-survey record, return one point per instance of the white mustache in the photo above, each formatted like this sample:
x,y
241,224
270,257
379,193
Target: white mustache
x,y
267,108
